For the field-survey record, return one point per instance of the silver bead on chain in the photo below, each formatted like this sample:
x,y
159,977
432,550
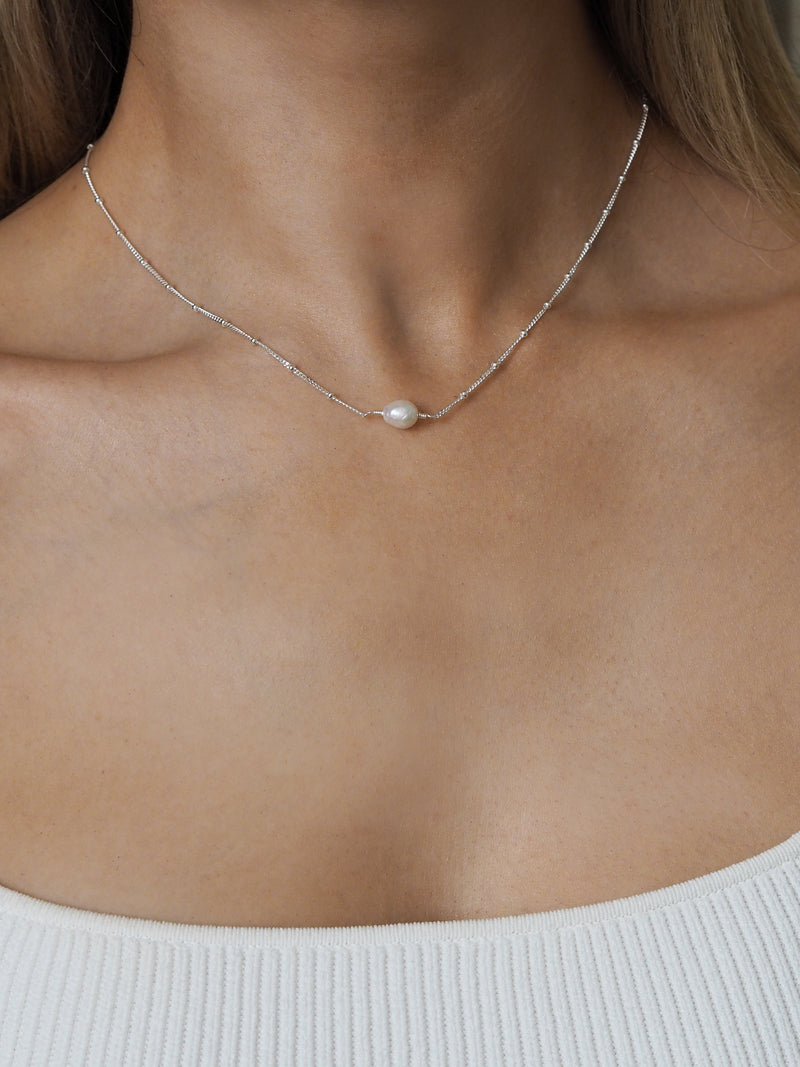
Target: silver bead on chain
x,y
400,413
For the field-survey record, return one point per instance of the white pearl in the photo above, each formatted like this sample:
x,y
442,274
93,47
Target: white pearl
x,y
400,413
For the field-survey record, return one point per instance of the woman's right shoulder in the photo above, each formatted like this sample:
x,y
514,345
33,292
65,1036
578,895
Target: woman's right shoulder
x,y
69,293
51,327
51,279
31,243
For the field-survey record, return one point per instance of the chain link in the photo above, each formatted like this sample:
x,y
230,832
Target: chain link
x,y
462,396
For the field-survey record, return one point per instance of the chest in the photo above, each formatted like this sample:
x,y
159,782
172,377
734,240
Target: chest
x,y
351,682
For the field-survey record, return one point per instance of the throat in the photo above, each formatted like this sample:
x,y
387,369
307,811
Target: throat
x,y
390,175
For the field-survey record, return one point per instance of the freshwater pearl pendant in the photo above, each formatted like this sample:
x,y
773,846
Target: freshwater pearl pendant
x,y
400,413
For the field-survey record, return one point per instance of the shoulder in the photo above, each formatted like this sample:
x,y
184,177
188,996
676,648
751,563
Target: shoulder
x,y
41,263
67,290
74,316
41,260
710,281
53,338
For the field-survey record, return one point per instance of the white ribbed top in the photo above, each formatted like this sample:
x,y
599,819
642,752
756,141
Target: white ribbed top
x,y
702,973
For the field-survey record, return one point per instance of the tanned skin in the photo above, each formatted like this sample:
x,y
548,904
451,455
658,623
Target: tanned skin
x,y
264,662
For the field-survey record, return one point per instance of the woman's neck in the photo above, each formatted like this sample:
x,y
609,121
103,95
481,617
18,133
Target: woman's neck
x,y
397,169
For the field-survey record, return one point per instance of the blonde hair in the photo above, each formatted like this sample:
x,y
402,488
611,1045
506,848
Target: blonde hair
x,y
714,70
61,67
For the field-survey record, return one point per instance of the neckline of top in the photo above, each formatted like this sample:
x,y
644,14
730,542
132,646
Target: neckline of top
x,y
46,913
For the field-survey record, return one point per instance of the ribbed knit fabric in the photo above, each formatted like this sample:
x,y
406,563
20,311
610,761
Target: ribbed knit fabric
x,y
703,973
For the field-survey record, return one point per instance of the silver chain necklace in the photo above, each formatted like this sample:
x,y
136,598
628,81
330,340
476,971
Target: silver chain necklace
x,y
399,413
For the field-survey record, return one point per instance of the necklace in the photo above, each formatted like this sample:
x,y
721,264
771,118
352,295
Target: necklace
x,y
399,413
